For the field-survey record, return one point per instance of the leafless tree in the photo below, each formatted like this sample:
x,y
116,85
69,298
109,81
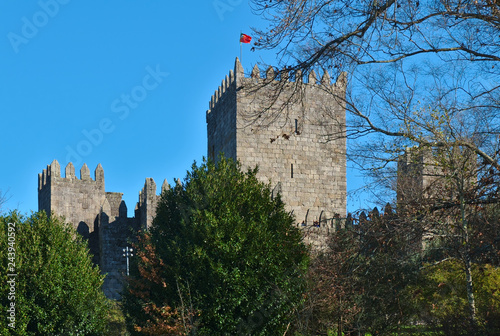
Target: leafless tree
x,y
3,200
420,74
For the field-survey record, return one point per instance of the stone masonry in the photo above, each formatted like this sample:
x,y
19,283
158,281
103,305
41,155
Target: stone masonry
x,y
99,216
421,174
294,131
296,137
416,174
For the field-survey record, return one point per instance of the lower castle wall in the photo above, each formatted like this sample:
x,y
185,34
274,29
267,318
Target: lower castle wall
x,y
99,216
316,235
115,235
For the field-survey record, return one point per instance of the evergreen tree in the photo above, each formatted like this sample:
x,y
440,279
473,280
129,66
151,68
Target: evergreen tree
x,y
48,277
228,254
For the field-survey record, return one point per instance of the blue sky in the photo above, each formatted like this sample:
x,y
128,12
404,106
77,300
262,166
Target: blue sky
x,y
121,83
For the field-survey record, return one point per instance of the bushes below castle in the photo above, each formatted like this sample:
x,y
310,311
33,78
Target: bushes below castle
x,y
48,284
385,276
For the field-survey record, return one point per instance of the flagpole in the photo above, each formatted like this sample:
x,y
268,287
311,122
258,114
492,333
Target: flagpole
x,y
241,57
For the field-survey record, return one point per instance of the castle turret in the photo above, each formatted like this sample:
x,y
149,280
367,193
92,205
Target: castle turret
x,y
422,175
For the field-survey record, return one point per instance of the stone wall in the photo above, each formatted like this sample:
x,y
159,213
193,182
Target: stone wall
x,y
145,210
316,235
295,137
421,174
99,216
116,231
78,200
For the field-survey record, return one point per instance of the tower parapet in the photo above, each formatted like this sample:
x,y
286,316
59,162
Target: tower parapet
x,y
77,199
293,127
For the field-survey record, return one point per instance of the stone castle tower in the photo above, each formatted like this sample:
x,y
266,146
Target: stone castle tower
x,y
293,130
296,138
416,173
422,174
99,216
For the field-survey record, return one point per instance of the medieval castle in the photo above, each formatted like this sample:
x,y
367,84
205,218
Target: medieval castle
x,y
292,129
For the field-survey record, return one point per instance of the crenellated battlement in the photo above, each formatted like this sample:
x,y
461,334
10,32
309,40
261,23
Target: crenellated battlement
x,y
79,200
317,232
83,201
226,84
272,76
53,173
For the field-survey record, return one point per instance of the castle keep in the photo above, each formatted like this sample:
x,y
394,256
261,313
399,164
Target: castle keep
x,y
292,129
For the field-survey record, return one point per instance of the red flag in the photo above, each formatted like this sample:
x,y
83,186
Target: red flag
x,y
244,38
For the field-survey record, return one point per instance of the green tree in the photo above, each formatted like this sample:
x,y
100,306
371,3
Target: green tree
x,y
229,251
56,290
442,300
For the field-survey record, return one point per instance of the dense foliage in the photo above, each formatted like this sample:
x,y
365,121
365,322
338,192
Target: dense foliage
x,y
441,299
388,275
360,281
224,257
144,300
56,289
